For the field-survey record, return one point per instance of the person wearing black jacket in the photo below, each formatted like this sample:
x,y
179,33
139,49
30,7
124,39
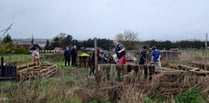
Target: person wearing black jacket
x,y
92,61
143,55
74,55
100,60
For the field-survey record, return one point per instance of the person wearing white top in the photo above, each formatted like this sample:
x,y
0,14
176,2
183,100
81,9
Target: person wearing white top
x,y
36,56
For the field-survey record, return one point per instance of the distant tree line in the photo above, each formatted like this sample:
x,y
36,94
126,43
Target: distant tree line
x,y
178,44
62,40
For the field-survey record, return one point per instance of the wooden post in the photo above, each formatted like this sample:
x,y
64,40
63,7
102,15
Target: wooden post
x,y
2,66
125,69
166,55
112,72
206,47
206,42
2,74
96,58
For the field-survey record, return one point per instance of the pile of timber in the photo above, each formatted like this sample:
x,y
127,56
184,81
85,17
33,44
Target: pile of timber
x,y
31,71
178,78
192,70
204,66
169,81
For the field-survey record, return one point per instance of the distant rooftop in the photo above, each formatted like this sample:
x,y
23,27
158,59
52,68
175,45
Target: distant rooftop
x,y
40,42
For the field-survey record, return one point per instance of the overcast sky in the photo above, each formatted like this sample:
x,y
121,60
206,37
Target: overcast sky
x,y
83,19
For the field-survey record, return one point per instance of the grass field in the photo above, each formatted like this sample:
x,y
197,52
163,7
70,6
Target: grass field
x,y
71,85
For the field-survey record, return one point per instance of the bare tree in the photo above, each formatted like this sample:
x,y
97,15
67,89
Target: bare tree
x,y
127,36
130,36
119,37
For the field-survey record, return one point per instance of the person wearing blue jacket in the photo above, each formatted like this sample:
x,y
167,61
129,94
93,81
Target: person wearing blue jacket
x,y
67,54
156,55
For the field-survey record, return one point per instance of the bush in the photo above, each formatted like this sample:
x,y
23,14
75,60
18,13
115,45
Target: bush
x,y
192,95
148,100
20,50
3,51
70,81
13,51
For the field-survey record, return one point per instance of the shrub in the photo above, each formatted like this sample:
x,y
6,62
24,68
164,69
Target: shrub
x,y
21,51
192,95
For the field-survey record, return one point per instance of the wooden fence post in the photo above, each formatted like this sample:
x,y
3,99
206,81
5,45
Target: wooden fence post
x,y
96,58
112,72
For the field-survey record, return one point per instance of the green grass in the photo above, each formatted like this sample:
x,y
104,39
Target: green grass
x,y
196,52
192,95
21,58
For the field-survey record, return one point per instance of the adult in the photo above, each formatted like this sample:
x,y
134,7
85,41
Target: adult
x,y
67,54
92,61
120,52
103,57
74,55
143,57
36,56
156,55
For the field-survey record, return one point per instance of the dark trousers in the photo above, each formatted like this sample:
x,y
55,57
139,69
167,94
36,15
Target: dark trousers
x,y
67,61
92,68
145,70
73,60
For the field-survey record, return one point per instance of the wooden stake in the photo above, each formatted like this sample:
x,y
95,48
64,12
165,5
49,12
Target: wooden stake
x,y
206,47
206,42
96,57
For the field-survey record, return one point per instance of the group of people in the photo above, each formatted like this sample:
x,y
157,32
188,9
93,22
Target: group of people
x,y
102,58
143,54
70,54
121,57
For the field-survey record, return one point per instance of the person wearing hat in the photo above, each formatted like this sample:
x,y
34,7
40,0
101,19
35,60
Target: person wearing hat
x,y
156,55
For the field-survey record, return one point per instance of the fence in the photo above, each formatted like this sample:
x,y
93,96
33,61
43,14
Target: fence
x,y
118,72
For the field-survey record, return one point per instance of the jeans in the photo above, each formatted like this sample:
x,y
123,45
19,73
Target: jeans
x,y
157,63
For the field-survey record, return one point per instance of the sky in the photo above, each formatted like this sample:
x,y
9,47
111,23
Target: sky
x,y
83,19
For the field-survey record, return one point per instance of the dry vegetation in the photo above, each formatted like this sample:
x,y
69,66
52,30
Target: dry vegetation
x,y
72,85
